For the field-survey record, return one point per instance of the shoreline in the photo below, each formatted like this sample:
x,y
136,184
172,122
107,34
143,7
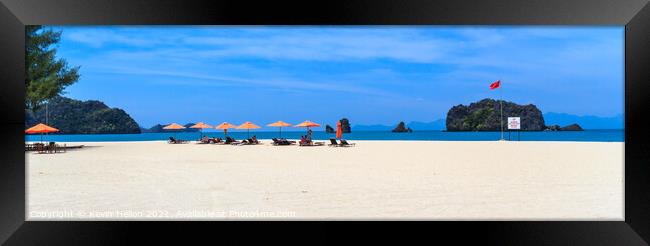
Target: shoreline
x,y
583,136
269,141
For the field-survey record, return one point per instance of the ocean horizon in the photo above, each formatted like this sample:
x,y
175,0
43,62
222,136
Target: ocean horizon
x,y
601,135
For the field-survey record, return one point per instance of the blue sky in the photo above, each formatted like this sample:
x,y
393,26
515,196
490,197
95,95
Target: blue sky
x,y
372,75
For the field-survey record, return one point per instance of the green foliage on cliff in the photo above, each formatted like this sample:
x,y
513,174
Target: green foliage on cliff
x,y
478,119
83,117
485,115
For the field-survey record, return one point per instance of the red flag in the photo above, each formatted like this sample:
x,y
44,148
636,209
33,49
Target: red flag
x,y
495,85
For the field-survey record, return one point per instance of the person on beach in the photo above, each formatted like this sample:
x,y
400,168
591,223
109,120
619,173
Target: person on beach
x,y
303,140
308,135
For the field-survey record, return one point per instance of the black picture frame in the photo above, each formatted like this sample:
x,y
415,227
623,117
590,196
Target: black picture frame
x,y
633,14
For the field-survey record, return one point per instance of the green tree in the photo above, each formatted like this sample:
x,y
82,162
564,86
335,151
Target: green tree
x,y
45,76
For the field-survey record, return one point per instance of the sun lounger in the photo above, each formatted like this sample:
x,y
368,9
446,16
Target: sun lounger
x,y
311,143
243,142
249,141
282,141
31,147
333,143
173,140
50,148
278,142
41,148
215,141
344,143
253,141
230,140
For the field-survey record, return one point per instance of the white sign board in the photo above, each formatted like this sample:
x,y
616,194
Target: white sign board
x,y
514,123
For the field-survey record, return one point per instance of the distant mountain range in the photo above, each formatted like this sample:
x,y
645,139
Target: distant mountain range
x,y
587,122
415,125
159,128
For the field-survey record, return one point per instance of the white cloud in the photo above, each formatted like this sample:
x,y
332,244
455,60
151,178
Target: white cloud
x,y
471,56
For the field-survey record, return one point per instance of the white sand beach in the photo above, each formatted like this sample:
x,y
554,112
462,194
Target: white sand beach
x,y
375,180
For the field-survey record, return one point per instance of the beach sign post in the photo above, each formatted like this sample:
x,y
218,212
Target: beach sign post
x,y
514,123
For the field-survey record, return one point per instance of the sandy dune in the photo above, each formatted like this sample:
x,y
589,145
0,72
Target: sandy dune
x,y
374,180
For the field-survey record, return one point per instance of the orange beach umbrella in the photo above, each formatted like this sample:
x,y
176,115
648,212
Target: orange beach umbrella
x,y
225,127
339,130
201,126
174,126
279,124
307,124
41,128
248,125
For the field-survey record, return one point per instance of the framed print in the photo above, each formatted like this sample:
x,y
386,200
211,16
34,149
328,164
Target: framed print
x,y
519,122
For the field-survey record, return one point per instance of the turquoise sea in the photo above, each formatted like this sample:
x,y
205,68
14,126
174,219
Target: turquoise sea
x,y
583,136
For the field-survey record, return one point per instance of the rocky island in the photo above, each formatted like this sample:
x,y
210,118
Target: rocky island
x,y
401,127
484,116
82,117
345,127
329,129
572,127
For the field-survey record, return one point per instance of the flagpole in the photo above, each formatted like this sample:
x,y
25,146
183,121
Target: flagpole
x,y
501,118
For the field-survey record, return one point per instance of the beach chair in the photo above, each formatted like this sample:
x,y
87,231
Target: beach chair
x,y
311,143
217,141
60,148
41,148
253,140
282,142
203,140
345,143
230,140
333,143
51,148
173,140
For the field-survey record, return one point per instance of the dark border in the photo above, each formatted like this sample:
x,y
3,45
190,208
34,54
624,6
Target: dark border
x,y
634,14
